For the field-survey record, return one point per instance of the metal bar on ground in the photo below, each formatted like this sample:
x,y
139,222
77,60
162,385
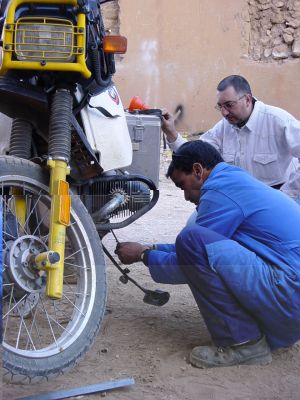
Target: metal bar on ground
x,y
79,391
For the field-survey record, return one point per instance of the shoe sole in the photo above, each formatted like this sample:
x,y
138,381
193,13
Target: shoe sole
x,y
263,359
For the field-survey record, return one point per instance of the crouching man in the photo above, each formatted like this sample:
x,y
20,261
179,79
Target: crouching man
x,y
241,259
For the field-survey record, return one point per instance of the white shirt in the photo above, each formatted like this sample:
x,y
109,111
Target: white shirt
x,y
267,146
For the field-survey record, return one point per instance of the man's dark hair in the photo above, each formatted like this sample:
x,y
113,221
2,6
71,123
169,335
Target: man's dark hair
x,y
189,153
239,84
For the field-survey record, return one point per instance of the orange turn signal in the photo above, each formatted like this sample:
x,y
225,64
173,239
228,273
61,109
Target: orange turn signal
x,y
115,44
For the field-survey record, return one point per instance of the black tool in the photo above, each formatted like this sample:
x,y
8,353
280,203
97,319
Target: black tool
x,y
154,297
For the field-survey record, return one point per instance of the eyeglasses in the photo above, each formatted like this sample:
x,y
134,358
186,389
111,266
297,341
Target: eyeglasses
x,y
228,105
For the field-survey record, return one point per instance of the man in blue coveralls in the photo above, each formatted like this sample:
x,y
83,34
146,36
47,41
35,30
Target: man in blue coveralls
x,y
241,259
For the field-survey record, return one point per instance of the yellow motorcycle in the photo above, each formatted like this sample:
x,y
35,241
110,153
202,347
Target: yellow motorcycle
x,y
63,184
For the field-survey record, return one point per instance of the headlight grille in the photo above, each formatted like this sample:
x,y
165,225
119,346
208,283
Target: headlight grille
x,y
45,39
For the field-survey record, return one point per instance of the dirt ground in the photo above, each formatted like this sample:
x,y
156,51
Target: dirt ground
x,y
152,344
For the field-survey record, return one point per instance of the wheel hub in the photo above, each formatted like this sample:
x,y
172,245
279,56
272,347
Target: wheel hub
x,y
25,306
21,268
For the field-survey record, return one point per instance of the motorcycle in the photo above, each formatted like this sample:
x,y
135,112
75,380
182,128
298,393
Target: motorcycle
x,y
64,184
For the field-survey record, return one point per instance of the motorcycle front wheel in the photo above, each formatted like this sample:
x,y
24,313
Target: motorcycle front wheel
x,y
43,337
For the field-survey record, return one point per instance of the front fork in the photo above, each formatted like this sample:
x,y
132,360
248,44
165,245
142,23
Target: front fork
x,y
52,260
59,220
59,155
20,146
59,152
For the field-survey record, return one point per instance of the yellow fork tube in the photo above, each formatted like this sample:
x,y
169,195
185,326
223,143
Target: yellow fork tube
x,y
20,206
59,220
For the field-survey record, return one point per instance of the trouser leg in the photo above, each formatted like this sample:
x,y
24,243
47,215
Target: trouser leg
x,y
226,319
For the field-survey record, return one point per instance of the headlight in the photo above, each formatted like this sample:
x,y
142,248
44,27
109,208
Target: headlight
x,y
44,43
44,40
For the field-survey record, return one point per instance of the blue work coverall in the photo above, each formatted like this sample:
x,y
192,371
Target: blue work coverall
x,y
241,260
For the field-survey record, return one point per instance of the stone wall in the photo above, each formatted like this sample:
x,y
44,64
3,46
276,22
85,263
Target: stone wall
x,y
274,29
111,19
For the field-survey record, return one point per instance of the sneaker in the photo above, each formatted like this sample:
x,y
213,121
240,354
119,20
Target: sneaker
x,y
249,353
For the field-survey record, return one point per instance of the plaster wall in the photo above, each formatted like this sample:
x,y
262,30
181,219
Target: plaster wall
x,y
178,51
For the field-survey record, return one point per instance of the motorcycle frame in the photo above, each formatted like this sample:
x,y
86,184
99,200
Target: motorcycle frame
x,y
52,261
59,169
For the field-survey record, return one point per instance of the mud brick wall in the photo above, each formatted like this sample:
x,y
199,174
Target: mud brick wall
x,y
274,29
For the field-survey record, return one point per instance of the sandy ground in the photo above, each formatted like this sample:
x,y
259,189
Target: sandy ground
x,y
152,344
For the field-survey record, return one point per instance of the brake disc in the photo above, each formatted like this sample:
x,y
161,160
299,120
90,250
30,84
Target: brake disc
x,y
20,268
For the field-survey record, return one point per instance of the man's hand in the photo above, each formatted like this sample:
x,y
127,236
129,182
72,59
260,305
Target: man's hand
x,y
168,126
130,252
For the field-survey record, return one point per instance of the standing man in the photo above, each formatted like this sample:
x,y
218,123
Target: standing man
x,y
262,139
241,259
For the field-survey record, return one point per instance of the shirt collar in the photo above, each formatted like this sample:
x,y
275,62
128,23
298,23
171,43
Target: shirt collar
x,y
250,125
219,167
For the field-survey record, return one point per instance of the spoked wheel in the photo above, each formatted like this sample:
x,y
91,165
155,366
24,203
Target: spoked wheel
x,y
43,337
